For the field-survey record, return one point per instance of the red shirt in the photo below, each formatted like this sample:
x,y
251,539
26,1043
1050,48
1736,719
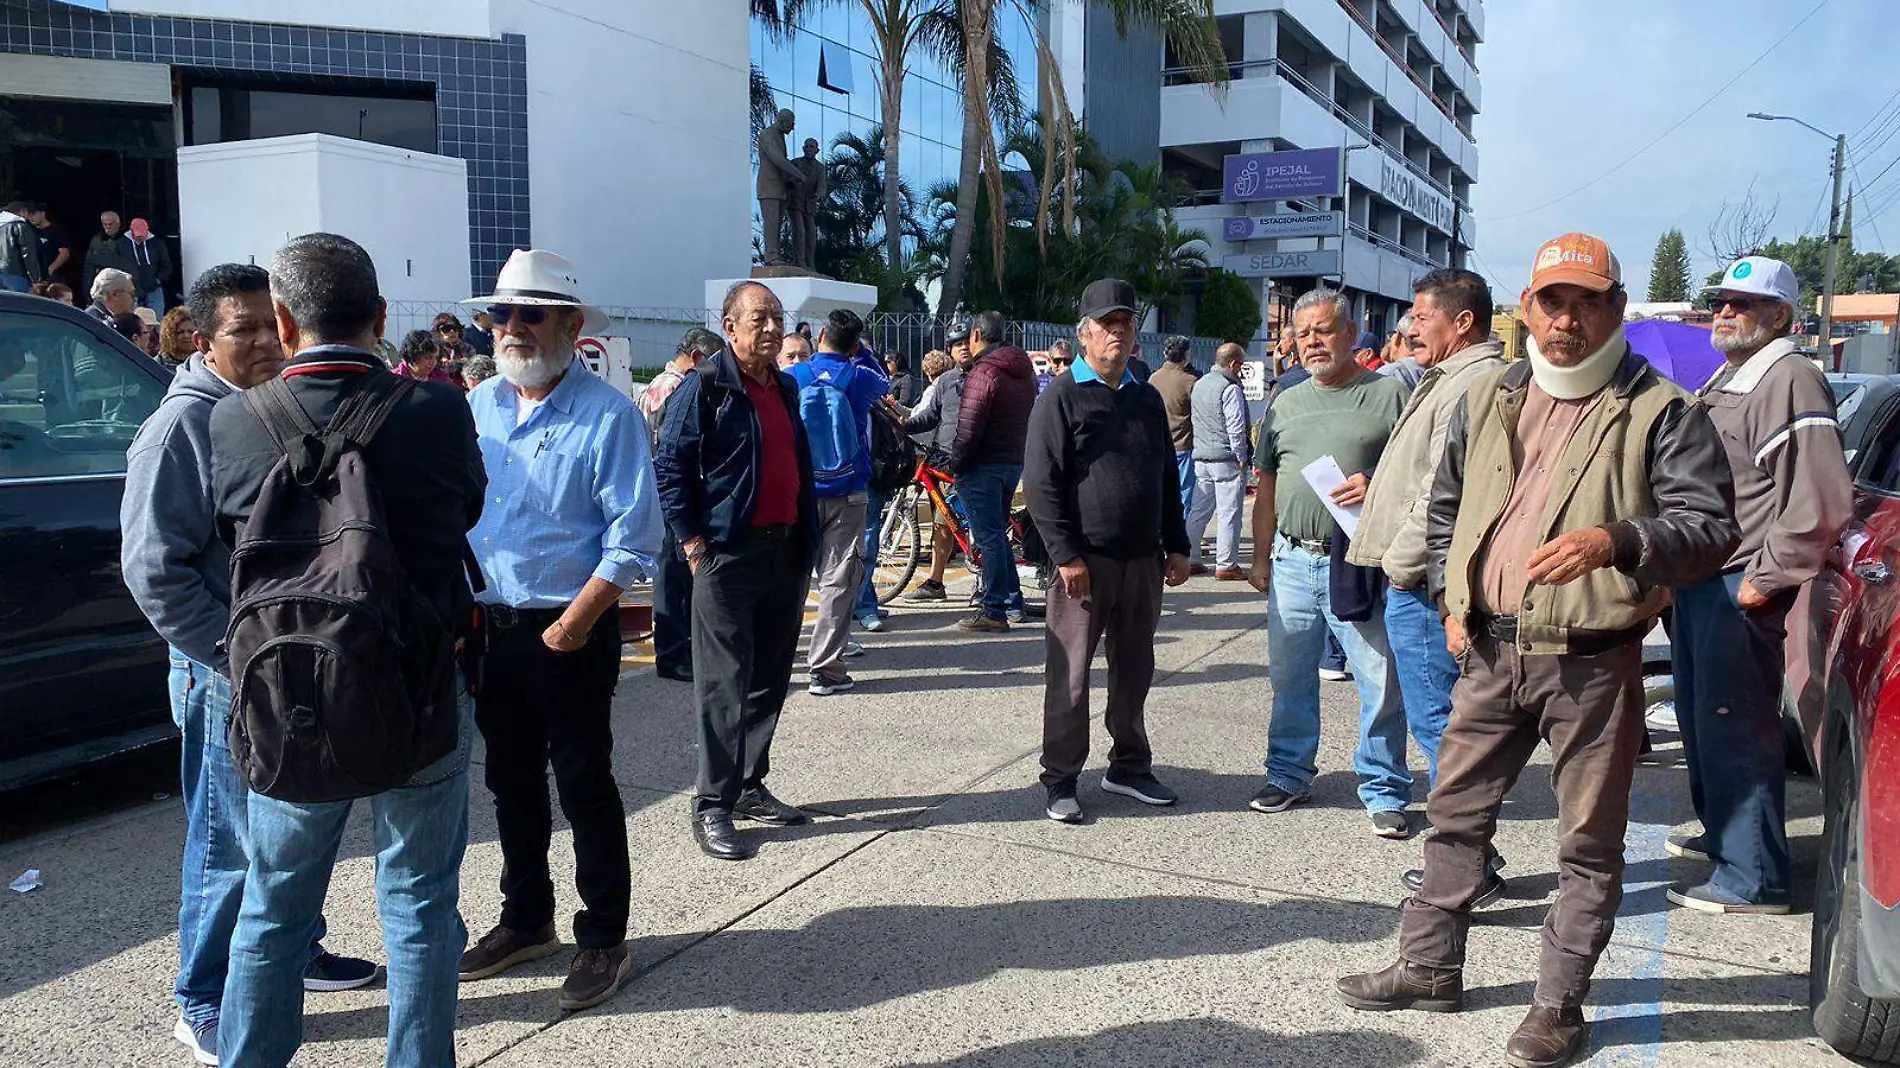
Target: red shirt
x,y
778,455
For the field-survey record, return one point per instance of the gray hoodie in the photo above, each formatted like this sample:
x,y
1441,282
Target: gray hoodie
x,y
177,568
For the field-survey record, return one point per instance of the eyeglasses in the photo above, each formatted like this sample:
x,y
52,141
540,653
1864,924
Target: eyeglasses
x,y
1740,304
1059,361
531,315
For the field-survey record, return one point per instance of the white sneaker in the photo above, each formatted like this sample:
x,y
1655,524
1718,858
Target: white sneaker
x,y
822,688
1334,675
194,1042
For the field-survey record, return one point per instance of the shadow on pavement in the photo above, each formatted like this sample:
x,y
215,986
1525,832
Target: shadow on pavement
x,y
1197,1041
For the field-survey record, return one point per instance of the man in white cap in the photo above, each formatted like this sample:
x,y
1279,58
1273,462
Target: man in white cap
x,y
572,518
1792,496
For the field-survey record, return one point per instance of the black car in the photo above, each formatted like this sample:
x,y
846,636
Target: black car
x,y
82,675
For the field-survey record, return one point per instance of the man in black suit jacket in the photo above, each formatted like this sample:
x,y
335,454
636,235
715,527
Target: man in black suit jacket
x,y
428,469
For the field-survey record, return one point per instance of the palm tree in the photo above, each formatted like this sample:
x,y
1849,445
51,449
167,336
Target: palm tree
x,y
1189,29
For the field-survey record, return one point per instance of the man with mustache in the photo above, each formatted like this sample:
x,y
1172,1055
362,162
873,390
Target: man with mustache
x,y
1344,412
1792,497
1577,486
572,519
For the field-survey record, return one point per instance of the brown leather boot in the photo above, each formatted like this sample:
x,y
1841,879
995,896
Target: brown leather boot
x,y
1548,1038
1405,986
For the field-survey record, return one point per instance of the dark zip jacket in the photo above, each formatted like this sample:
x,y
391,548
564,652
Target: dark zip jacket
x,y
707,467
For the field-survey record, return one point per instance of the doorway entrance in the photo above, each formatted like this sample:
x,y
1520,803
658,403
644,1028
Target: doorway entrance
x,y
80,158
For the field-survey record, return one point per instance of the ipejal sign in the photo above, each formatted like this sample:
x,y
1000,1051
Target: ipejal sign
x,y
1296,175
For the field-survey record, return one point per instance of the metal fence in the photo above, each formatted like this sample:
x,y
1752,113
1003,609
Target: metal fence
x,y
654,333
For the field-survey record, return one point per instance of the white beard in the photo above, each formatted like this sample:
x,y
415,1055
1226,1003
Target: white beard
x,y
532,372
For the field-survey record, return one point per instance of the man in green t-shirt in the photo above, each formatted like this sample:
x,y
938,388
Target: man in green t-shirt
x,y
1345,412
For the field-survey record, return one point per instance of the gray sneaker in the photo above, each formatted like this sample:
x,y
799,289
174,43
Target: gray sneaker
x,y
1391,823
1688,847
1063,807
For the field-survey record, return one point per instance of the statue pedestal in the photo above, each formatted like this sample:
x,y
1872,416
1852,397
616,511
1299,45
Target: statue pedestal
x,y
806,298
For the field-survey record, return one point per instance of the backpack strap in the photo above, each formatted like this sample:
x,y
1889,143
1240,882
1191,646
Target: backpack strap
x,y
358,419
289,426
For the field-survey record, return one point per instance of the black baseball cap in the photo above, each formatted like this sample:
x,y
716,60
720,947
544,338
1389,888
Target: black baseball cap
x,y
958,330
1106,295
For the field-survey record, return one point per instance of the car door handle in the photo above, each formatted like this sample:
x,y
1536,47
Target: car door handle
x,y
1875,573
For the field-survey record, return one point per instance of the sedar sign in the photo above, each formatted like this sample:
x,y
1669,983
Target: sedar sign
x,y
609,357
1316,263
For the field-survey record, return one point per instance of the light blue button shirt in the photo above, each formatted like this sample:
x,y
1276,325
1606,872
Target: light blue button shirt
x,y
570,492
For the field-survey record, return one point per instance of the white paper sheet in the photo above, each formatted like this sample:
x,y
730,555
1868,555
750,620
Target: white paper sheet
x,y
1325,476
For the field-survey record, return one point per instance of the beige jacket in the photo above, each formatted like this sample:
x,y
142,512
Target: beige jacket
x,y
1392,523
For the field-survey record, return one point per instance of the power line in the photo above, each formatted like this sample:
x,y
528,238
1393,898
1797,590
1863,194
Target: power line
x,y
1497,287
1877,113
1677,125
1863,187
1884,126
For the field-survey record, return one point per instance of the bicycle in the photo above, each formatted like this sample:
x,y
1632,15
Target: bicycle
x,y
900,535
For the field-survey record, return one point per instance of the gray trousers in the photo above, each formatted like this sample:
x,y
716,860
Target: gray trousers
x,y
840,564
1124,605
1220,493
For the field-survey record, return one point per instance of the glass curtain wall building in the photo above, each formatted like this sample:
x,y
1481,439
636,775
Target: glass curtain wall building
x,y
826,73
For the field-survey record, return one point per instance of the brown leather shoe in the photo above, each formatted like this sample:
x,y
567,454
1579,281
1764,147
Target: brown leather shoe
x,y
1547,1038
1230,574
1405,986
595,977
502,949
1197,569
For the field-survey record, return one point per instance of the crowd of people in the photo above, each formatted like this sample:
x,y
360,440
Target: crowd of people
x,y
1487,542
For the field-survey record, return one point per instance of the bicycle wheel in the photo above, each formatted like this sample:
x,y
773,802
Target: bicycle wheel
x,y
898,546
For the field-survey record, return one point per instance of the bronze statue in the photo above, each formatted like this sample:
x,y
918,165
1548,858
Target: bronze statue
x,y
805,200
779,180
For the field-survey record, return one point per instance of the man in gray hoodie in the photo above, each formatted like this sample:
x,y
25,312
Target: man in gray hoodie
x,y
179,572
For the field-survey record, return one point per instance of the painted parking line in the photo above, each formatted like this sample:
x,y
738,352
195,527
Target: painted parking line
x,y
1630,1035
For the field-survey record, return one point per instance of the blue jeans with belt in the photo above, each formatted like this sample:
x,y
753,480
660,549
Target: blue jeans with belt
x,y
1729,669
217,840
1299,617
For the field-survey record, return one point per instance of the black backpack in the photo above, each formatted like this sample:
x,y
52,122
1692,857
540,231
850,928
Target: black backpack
x,y
342,672
893,453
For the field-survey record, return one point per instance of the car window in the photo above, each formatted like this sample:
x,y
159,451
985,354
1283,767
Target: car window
x,y
70,404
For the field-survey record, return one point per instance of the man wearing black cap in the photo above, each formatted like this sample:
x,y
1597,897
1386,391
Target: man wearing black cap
x,y
1101,484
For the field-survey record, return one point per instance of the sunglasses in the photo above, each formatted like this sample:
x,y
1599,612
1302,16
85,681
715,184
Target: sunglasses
x,y
529,314
1740,304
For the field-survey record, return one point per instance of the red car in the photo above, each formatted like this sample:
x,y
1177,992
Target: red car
x,y
1854,985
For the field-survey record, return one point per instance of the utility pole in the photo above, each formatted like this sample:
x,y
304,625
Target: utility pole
x,y
1833,256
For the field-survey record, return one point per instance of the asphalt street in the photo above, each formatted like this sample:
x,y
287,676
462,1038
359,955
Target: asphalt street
x,y
932,917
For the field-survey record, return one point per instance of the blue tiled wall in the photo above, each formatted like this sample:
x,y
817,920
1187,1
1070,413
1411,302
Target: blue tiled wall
x,y
481,88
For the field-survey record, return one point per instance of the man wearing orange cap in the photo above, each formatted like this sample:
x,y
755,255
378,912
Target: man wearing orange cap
x,y
1577,486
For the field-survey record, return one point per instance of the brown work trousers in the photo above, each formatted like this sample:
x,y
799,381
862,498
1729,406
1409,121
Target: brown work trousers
x,y
1589,709
1123,605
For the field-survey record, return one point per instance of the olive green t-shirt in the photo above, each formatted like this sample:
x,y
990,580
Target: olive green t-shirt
x,y
1350,423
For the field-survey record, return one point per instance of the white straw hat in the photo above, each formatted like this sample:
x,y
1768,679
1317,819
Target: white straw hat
x,y
538,278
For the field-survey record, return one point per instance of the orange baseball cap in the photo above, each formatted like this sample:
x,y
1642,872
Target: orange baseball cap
x,y
1578,260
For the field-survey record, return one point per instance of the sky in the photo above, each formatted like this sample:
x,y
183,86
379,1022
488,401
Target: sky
x,y
1570,89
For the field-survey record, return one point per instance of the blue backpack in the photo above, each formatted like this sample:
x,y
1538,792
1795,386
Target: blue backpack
x,y
837,438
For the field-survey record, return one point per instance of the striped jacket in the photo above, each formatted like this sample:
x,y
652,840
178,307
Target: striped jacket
x,y
1792,490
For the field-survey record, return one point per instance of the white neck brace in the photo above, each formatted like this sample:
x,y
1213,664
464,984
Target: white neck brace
x,y
1583,380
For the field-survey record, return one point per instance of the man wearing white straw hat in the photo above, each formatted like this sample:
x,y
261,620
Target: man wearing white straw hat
x,y
571,520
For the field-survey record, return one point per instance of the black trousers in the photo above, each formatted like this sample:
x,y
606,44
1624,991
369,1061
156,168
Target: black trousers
x,y
748,608
673,609
537,707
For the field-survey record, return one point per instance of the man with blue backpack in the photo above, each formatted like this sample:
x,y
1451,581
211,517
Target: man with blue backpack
x,y
835,396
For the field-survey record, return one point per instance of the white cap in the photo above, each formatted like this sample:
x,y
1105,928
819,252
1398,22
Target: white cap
x,y
1760,276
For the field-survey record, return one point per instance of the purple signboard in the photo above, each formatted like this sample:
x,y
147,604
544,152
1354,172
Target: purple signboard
x,y
1313,172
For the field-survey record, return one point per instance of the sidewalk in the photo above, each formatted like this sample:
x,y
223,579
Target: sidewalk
x,y
932,917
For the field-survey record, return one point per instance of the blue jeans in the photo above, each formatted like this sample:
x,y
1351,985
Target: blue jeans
x,y
1184,464
987,490
217,845
1426,669
873,526
421,830
1729,673
155,300
16,283
1299,617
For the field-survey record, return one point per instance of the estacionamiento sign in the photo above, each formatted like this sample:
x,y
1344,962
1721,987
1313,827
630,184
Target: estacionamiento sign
x,y
1415,195
1308,224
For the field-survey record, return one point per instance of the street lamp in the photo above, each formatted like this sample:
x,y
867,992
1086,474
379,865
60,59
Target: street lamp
x,y
1833,227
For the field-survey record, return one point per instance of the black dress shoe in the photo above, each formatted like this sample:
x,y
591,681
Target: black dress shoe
x,y
1548,1038
718,838
675,672
759,804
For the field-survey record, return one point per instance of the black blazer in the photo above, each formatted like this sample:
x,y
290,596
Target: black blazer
x,y
426,463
